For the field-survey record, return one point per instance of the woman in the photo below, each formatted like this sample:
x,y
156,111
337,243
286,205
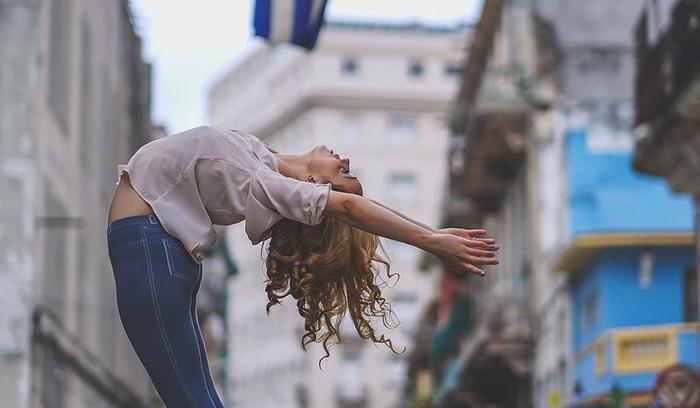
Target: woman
x,y
322,250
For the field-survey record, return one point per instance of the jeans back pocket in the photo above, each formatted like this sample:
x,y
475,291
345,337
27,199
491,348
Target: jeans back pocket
x,y
180,263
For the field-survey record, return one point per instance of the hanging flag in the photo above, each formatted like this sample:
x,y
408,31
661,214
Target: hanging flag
x,y
292,21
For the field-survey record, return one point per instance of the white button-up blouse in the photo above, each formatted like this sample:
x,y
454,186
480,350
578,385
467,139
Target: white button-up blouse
x,y
210,175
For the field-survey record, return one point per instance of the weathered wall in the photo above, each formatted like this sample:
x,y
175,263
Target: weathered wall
x,y
18,61
74,102
595,43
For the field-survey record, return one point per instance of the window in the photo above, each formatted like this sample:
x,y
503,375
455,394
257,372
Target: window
x,y
646,269
402,188
351,128
648,350
452,70
402,131
349,66
416,69
589,315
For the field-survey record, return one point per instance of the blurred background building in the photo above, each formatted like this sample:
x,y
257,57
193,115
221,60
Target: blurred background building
x,y
377,93
74,99
596,293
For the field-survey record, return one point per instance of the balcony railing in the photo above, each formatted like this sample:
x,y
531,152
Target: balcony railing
x,y
643,349
493,129
668,65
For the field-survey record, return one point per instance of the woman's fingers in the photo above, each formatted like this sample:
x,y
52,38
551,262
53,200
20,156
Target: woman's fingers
x,y
462,252
474,237
482,243
480,253
464,233
476,244
482,261
478,256
473,269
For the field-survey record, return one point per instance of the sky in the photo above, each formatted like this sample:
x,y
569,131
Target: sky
x,y
190,44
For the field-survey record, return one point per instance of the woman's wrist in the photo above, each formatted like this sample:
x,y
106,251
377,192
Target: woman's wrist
x,y
427,241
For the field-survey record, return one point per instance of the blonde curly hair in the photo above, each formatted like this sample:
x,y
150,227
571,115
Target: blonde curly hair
x,y
329,268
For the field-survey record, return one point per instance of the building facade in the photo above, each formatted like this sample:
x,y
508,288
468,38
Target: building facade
x,y
667,120
74,102
489,180
379,95
544,100
630,264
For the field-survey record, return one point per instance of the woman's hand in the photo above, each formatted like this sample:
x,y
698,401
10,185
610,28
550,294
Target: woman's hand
x,y
463,250
475,234
459,249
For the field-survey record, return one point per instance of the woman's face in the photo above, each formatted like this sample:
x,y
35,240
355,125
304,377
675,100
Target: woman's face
x,y
328,167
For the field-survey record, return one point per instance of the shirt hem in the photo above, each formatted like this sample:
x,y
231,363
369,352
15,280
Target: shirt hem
x,y
195,254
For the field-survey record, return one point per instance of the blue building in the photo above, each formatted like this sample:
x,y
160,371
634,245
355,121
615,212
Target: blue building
x,y
630,260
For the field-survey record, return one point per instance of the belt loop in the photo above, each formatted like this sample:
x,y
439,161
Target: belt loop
x,y
153,219
109,227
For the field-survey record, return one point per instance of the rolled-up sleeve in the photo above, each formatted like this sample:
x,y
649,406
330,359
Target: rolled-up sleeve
x,y
273,195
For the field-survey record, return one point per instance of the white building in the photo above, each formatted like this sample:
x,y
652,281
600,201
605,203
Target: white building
x,y
379,95
74,102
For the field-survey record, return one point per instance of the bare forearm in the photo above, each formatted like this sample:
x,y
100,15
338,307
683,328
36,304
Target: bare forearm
x,y
458,253
370,216
420,224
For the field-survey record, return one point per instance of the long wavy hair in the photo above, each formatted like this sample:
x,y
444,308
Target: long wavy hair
x,y
329,268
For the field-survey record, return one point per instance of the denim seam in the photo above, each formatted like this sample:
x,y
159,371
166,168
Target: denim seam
x,y
199,352
120,227
171,264
128,244
154,297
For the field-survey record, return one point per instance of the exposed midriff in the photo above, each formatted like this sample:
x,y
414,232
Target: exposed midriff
x,y
126,202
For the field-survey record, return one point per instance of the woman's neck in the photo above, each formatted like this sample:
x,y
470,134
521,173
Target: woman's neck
x,y
293,165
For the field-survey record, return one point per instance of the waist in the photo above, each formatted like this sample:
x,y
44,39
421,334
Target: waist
x,y
127,202
133,220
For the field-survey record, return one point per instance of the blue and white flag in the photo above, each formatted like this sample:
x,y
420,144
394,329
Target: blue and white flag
x,y
293,21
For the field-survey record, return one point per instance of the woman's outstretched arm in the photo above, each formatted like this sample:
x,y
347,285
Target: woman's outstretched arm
x,y
402,215
459,253
466,233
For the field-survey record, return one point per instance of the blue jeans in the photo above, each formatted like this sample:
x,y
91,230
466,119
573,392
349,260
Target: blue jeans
x,y
157,283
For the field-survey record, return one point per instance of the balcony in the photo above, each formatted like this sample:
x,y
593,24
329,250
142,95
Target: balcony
x,y
668,79
668,95
632,357
494,128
